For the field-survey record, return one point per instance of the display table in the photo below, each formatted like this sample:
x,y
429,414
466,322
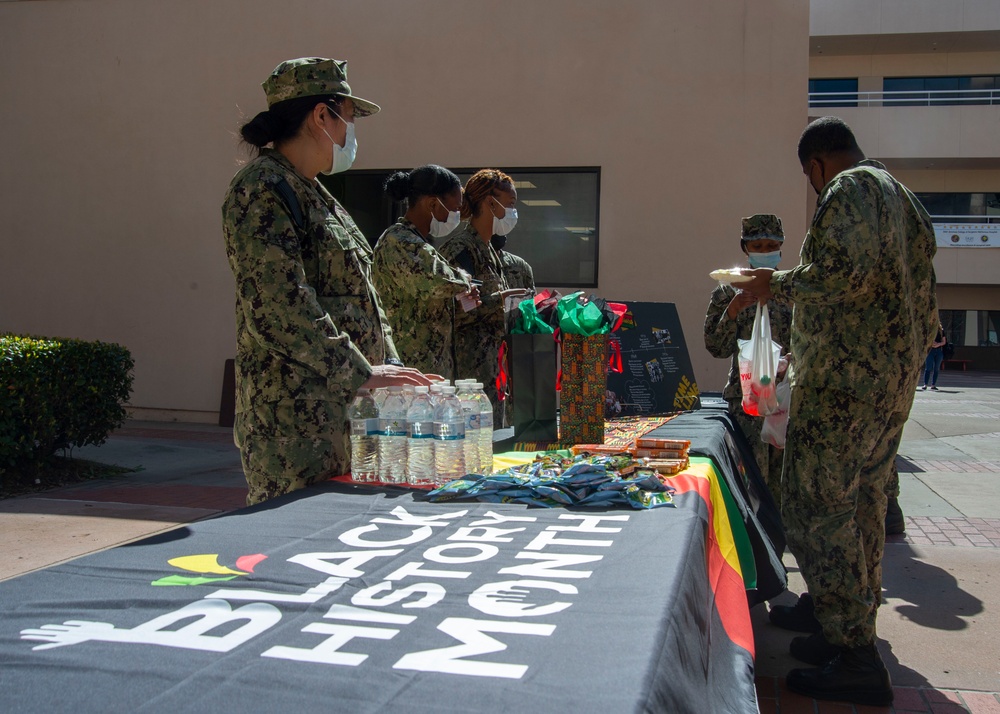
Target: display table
x,y
714,435
351,599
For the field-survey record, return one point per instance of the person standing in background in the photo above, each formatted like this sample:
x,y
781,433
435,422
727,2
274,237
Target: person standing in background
x,y
518,274
516,270
730,318
865,313
488,206
418,287
932,365
309,327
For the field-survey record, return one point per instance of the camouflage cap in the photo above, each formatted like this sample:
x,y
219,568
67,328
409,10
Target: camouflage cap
x,y
311,76
762,225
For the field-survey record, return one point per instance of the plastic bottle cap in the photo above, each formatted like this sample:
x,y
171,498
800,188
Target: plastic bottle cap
x,y
395,388
447,389
420,389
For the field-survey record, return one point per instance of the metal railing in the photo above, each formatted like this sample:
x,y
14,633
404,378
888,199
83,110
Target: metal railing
x,y
909,98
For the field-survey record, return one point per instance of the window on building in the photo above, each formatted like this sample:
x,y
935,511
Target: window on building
x,y
558,217
989,328
833,92
971,328
940,91
953,322
962,207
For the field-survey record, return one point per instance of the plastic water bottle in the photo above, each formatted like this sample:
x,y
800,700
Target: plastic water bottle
x,y
470,409
485,429
364,437
449,437
420,441
392,437
380,394
434,392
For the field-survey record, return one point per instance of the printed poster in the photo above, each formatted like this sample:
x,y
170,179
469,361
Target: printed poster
x,y
656,376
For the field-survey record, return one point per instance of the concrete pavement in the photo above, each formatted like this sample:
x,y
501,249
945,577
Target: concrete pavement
x,y
185,472
939,627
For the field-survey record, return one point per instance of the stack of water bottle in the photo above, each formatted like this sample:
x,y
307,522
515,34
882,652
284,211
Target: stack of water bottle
x,y
422,436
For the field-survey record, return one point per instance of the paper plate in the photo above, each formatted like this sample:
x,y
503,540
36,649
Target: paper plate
x,y
729,275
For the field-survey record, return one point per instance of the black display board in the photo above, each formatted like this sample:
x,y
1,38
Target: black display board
x,y
656,376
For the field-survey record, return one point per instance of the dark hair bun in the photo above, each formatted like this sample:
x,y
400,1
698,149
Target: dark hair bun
x,y
259,131
398,185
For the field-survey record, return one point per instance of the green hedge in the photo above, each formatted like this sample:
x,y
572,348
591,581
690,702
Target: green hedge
x,y
57,393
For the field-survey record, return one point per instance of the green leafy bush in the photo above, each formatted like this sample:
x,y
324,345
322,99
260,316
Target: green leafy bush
x,y
56,394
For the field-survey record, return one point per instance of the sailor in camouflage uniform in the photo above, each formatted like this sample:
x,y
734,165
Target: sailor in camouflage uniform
x,y
418,287
730,318
518,274
309,327
864,316
517,271
488,205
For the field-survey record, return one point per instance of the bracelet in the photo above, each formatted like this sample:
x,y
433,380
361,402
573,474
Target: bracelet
x,y
394,362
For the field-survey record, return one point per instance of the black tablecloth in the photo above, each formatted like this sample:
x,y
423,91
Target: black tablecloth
x,y
349,599
715,435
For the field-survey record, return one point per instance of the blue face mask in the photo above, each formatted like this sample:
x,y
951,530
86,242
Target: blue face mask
x,y
765,260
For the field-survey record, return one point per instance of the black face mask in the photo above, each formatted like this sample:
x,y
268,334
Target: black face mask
x,y
498,242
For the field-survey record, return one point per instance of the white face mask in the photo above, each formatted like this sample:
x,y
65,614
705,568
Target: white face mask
x,y
343,156
503,226
439,229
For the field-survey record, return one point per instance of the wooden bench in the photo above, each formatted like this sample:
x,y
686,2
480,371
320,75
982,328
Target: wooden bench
x,y
954,364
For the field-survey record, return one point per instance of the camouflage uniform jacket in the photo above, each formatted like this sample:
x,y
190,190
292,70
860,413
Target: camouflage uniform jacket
x,y
864,291
418,286
517,271
308,320
721,333
479,332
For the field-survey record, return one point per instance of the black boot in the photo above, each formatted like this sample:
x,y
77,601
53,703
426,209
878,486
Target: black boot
x,y
800,617
856,675
894,523
813,649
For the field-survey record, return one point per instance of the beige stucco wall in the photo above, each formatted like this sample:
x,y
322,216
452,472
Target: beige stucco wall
x,y
886,17
944,141
950,181
119,116
959,297
926,64
932,133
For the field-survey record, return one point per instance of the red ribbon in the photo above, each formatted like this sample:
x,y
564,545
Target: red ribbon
x,y
557,336
615,358
502,375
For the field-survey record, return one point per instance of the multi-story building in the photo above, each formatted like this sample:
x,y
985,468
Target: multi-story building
x,y
919,82
641,132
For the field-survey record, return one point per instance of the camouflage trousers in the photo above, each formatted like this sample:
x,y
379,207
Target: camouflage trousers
x,y
768,457
290,444
838,463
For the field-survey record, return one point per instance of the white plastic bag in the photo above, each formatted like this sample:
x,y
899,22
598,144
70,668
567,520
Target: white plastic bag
x,y
758,367
775,425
